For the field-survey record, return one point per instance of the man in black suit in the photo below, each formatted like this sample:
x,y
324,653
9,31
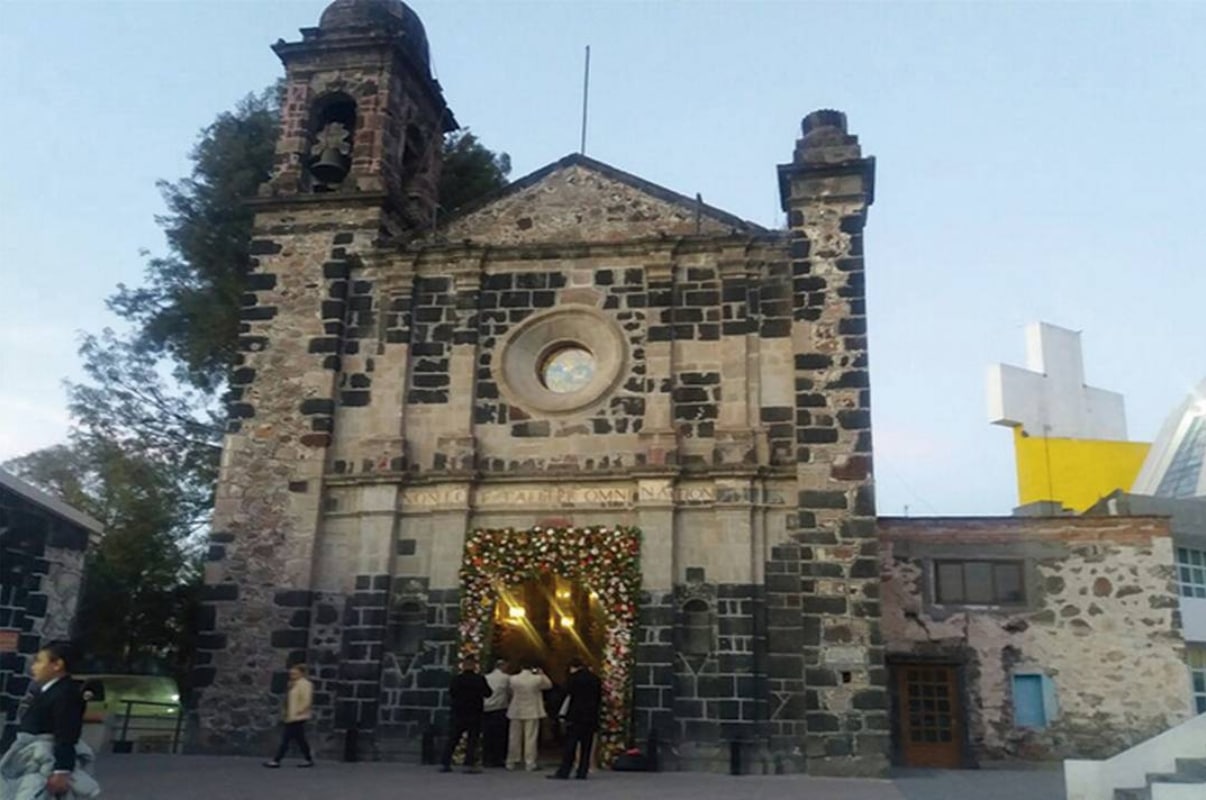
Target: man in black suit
x,y
585,696
467,693
57,708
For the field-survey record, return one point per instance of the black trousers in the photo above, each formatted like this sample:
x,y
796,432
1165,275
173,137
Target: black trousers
x,y
460,727
294,732
578,739
494,738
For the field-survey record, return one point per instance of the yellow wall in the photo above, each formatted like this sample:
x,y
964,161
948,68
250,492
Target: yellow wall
x,y
1074,472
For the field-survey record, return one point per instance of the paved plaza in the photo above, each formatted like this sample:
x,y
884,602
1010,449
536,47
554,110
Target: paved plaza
x,y
153,777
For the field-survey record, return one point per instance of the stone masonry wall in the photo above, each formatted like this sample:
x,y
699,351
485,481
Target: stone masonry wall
x,y
270,489
1099,620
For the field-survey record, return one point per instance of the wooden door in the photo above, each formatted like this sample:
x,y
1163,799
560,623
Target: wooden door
x,y
931,719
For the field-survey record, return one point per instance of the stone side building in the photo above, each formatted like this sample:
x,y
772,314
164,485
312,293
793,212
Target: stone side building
x,y
1030,638
43,542
585,348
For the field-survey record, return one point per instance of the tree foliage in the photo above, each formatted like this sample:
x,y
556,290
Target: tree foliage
x,y
187,309
470,171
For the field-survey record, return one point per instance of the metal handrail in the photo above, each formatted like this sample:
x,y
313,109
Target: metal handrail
x,y
126,727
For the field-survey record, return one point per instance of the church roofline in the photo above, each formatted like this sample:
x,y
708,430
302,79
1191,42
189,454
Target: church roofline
x,y
619,175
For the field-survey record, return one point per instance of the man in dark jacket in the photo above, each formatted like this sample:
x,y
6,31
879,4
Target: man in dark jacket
x,y
467,692
585,696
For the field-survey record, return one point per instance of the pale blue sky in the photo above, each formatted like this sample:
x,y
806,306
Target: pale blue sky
x,y
1035,161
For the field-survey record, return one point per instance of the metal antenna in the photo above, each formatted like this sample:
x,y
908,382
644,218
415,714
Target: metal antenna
x,y
585,97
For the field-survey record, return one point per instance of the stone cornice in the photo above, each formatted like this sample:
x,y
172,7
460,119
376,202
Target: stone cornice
x,y
737,247
405,479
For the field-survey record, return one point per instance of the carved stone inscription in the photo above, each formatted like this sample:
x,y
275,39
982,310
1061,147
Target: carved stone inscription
x,y
546,497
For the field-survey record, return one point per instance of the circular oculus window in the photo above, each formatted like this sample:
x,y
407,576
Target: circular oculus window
x,y
561,361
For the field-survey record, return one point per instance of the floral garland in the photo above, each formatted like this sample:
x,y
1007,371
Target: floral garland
x,y
605,560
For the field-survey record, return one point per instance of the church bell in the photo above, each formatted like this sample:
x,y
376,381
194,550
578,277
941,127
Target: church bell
x,y
331,166
331,149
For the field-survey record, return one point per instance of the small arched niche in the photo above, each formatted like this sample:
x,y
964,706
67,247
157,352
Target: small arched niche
x,y
408,627
695,630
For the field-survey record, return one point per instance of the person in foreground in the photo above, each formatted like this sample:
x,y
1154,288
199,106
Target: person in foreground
x,y
584,695
298,704
48,759
468,692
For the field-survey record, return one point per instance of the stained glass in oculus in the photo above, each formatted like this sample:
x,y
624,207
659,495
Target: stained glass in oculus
x,y
567,369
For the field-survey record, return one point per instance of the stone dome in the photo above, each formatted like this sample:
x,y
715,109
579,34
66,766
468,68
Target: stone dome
x,y
387,15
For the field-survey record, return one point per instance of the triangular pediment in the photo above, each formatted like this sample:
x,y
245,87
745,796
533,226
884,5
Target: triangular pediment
x,y
580,199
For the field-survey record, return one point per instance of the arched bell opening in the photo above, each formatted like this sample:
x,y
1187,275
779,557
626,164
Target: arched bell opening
x,y
332,140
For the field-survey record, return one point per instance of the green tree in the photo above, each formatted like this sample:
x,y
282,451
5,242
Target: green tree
x,y
470,171
188,306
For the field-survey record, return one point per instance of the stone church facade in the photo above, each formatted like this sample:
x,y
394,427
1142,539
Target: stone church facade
x,y
584,348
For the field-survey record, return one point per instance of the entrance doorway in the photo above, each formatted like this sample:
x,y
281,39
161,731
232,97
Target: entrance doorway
x,y
547,621
931,717
506,575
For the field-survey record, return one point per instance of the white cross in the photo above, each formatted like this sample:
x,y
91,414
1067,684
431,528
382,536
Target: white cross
x,y
1049,397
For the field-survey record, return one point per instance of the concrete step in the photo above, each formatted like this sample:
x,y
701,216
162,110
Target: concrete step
x,y
1192,767
1171,777
1133,794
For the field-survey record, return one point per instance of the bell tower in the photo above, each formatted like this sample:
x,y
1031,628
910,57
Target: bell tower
x,y
362,115
357,162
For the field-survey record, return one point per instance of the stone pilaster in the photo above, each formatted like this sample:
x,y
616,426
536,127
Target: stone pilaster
x,y
654,683
658,437
826,191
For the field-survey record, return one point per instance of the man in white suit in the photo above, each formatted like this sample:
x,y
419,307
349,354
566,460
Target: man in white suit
x,y
525,712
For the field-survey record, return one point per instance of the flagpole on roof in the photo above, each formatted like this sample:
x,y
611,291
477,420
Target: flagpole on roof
x,y
585,97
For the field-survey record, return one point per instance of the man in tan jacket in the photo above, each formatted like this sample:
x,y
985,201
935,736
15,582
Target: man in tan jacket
x,y
525,712
298,702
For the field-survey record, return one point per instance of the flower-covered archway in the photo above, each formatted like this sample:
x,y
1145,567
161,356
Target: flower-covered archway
x,y
605,560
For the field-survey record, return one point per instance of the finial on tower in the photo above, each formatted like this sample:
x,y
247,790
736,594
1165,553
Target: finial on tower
x,y
825,139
